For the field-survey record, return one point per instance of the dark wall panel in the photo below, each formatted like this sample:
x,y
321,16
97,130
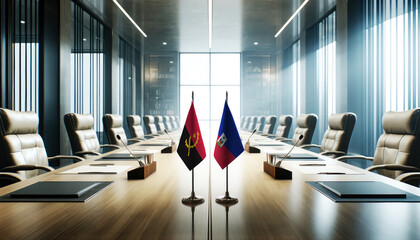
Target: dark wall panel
x,y
49,109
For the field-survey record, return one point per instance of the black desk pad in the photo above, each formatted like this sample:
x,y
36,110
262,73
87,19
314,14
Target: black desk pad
x,y
333,196
54,191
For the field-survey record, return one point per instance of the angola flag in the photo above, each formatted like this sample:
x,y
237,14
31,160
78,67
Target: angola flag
x,y
228,145
191,147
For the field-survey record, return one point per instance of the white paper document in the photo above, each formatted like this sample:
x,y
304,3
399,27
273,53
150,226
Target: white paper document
x,y
105,169
326,170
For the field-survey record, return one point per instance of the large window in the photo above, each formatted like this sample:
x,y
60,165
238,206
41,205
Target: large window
x,y
291,82
23,55
210,76
87,66
392,59
325,70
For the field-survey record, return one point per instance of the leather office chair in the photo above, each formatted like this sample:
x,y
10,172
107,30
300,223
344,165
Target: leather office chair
x,y
159,123
247,122
167,123
337,138
253,123
398,148
306,124
285,123
260,124
113,126
242,122
177,122
149,125
135,128
173,122
82,136
22,151
270,123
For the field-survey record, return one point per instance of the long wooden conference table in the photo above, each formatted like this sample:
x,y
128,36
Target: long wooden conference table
x,y
151,208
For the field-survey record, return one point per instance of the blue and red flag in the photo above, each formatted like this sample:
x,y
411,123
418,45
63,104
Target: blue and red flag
x,y
228,145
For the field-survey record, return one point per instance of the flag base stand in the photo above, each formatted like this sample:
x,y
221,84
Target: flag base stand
x,y
227,200
277,172
193,200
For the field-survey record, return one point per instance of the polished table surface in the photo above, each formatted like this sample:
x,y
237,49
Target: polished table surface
x,y
152,208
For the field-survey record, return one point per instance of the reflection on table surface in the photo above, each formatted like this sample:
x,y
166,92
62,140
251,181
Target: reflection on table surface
x,y
267,208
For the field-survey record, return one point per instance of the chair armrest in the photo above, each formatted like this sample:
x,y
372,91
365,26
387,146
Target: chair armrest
x,y
407,177
343,158
83,153
134,140
59,157
310,145
10,177
336,153
137,138
110,146
284,139
17,168
394,167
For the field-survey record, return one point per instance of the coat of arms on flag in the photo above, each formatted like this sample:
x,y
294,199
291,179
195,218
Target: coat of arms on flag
x,y
222,139
191,146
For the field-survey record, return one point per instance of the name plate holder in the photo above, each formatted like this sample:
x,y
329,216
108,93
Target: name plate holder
x,y
251,149
275,172
145,171
169,149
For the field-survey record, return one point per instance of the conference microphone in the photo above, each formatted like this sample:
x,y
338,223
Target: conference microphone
x,y
251,135
166,131
142,164
285,156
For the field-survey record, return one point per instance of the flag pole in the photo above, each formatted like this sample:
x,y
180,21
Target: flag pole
x,y
193,199
227,199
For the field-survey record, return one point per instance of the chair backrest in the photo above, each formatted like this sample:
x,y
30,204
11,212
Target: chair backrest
x,y
167,123
253,123
400,143
113,126
242,122
134,126
285,122
306,124
260,123
173,122
149,124
247,122
20,142
81,134
159,123
177,122
337,137
270,123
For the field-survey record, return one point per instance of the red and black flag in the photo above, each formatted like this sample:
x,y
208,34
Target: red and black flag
x,y
191,147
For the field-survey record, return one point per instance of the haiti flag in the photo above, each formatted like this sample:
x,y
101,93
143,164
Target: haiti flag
x,y
228,145
191,147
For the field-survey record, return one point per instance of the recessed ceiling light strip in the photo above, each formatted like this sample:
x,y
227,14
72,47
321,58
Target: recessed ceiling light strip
x,y
210,22
291,18
129,18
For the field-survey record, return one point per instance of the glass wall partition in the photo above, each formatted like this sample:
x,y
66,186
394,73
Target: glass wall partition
x,y
129,72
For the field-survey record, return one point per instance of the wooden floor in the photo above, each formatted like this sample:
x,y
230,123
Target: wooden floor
x,y
152,208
